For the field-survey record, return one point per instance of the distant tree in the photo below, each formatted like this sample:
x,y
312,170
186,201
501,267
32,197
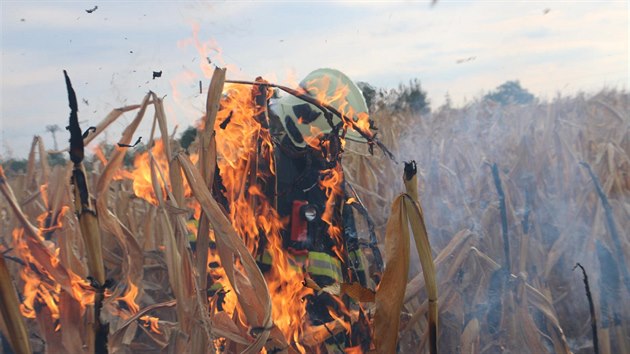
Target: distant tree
x,y
56,159
15,166
369,93
188,136
53,129
411,97
510,92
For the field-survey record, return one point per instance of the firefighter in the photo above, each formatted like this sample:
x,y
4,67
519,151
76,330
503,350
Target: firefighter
x,y
301,199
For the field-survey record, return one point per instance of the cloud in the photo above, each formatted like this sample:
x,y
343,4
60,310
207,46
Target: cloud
x,y
574,46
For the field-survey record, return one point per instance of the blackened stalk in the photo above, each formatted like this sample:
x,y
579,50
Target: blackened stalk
x,y
85,210
504,223
610,221
591,308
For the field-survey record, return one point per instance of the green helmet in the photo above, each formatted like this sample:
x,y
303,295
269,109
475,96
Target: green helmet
x,y
301,120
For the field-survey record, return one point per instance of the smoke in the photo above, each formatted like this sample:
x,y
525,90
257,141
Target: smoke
x,y
554,215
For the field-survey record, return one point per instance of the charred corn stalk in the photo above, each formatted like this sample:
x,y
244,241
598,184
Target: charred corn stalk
x,y
10,310
86,213
421,237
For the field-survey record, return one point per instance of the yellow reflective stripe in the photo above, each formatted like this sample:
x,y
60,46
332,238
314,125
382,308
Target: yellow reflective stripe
x,y
323,264
265,258
216,286
323,257
358,259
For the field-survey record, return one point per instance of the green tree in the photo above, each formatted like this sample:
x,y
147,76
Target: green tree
x,y
510,92
411,97
56,159
14,166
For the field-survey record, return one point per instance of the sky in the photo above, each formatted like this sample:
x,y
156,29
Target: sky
x,y
460,48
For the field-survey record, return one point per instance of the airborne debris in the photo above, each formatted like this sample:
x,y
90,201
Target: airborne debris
x,y
157,74
92,9
465,60
227,120
130,146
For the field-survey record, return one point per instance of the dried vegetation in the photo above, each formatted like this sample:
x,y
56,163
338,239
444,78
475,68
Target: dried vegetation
x,y
518,297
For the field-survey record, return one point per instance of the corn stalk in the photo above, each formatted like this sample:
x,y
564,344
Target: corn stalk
x,y
10,311
390,295
416,219
88,222
207,165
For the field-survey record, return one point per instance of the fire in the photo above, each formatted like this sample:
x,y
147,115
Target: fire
x,y
142,182
332,186
130,298
246,160
120,173
41,275
40,286
319,88
141,174
354,350
152,323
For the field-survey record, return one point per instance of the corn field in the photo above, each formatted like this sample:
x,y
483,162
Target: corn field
x,y
512,198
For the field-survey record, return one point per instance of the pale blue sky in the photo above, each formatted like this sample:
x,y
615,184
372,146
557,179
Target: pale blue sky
x,y
549,46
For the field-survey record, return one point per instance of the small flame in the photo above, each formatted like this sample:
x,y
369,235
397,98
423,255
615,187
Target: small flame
x,y
152,323
331,183
130,298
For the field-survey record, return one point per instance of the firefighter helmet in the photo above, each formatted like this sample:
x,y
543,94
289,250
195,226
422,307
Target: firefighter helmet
x,y
302,120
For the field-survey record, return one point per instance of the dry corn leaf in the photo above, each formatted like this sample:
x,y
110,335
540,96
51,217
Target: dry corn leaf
x,y
102,125
358,292
470,338
456,246
391,290
313,336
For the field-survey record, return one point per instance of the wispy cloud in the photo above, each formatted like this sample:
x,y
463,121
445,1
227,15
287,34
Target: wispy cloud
x,y
112,51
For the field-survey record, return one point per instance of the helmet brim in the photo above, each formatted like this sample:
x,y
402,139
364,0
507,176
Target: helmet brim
x,y
303,127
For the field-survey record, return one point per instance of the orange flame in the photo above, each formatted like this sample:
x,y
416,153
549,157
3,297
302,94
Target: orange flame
x,y
332,186
246,163
41,287
130,298
152,323
141,174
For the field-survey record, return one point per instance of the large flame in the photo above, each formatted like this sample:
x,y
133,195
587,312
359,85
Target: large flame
x,y
245,153
40,287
